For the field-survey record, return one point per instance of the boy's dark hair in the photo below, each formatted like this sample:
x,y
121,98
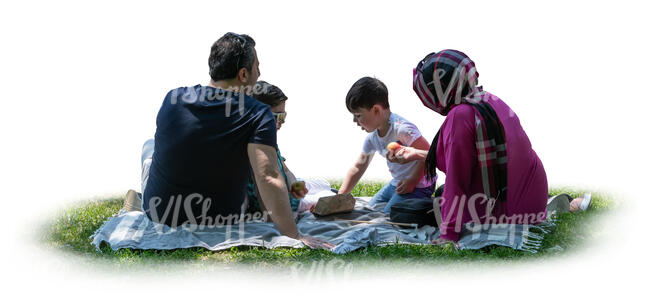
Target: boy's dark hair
x,y
268,93
229,54
365,93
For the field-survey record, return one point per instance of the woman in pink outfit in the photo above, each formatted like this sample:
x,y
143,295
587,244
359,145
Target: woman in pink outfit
x,y
493,175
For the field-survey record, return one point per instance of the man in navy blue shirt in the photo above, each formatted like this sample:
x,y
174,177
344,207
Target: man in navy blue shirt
x,y
209,140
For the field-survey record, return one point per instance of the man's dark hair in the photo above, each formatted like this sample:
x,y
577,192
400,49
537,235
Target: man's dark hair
x,y
229,54
268,93
365,93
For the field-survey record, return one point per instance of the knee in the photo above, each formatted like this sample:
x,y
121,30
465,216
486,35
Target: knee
x,y
147,150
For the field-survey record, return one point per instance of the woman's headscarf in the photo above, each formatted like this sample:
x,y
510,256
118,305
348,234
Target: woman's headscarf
x,y
446,79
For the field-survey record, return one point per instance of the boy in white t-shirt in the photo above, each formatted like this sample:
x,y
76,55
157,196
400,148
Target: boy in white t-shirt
x,y
367,100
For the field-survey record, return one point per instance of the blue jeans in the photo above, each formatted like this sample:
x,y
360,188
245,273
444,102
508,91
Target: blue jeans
x,y
145,161
389,195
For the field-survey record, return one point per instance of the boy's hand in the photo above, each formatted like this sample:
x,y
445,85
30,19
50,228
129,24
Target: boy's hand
x,y
405,186
401,156
299,194
390,156
298,190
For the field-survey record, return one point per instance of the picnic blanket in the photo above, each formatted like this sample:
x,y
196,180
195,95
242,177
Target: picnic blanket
x,y
135,230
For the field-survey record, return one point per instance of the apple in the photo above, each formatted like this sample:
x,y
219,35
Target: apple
x,y
393,146
298,186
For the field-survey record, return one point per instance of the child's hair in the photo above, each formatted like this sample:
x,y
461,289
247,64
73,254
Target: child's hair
x,y
365,93
268,93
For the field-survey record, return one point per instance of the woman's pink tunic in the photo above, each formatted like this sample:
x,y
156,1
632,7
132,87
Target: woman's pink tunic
x,y
457,158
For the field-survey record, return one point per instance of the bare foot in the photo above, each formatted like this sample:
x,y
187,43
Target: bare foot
x,y
441,241
580,203
575,204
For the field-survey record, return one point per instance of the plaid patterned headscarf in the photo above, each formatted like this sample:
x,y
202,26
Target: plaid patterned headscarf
x,y
448,78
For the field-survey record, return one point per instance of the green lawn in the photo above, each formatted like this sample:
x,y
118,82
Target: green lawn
x,y
71,229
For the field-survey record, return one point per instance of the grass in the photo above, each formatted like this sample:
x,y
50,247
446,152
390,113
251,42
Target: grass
x,y
71,229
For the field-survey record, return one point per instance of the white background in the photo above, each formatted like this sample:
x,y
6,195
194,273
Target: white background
x,y
82,83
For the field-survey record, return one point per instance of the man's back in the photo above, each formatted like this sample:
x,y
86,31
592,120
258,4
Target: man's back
x,y
201,152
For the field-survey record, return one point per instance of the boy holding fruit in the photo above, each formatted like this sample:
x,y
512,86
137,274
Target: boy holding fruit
x,y
367,100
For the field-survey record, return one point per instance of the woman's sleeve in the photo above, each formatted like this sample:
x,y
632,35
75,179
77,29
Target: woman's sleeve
x,y
459,153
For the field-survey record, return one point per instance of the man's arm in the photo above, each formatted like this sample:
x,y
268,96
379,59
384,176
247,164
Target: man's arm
x,y
272,189
273,192
355,173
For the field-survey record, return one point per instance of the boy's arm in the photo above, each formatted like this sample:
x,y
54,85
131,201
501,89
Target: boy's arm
x,y
296,194
290,176
407,185
355,173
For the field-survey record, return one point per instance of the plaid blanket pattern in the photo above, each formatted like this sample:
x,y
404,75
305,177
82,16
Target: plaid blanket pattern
x,y
135,231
